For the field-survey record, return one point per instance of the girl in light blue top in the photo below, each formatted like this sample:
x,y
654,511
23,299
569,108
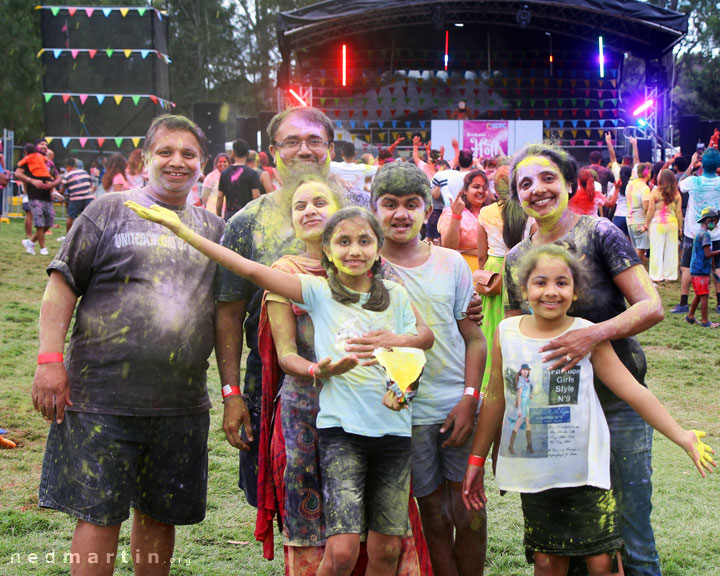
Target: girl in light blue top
x,y
364,448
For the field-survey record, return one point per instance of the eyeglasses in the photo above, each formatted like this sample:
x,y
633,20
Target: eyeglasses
x,y
292,144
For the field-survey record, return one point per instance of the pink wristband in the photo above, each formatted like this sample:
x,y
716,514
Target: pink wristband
x,y
456,216
469,391
229,391
50,357
476,460
312,368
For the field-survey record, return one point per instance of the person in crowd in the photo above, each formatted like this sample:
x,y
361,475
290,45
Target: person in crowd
x,y
458,225
269,167
432,156
349,170
587,199
443,412
385,155
115,177
664,221
564,480
35,163
637,194
701,267
447,184
364,444
542,178
239,184
287,470
502,225
135,172
210,184
620,214
703,191
40,203
265,179
79,188
117,418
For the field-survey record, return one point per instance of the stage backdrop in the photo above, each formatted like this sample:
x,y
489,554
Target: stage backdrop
x,y
486,138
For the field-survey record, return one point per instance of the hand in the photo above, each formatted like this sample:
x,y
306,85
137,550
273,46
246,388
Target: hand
x,y
51,391
608,138
473,488
365,345
632,140
457,205
455,144
700,452
161,215
442,152
391,400
576,344
416,141
236,414
694,159
399,139
428,148
474,309
462,419
327,368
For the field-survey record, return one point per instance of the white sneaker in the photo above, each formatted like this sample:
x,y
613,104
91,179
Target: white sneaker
x,y
29,246
44,251
61,238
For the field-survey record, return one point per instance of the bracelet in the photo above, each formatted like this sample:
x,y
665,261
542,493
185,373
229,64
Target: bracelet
x,y
229,391
312,368
456,216
50,357
472,392
476,460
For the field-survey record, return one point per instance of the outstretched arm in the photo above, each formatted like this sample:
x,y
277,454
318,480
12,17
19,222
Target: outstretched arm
x,y
618,378
276,281
611,150
415,151
392,146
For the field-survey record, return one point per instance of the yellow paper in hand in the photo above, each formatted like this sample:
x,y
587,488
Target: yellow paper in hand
x,y
403,365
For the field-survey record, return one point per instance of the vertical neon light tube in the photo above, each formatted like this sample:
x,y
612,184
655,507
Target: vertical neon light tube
x,y
447,36
602,57
344,65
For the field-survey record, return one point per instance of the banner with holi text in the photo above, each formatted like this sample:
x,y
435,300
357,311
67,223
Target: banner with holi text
x,y
486,138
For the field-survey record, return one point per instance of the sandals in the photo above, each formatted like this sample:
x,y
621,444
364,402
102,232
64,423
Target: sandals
x,y
690,320
709,324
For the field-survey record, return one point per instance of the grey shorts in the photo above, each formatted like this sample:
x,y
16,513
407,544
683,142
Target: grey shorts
x,y
366,482
98,466
638,236
43,213
432,464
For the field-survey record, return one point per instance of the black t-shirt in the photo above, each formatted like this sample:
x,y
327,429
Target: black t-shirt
x,y
144,324
604,252
237,183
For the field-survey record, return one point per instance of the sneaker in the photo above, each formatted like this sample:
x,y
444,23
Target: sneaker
x,y
680,309
44,251
29,246
61,238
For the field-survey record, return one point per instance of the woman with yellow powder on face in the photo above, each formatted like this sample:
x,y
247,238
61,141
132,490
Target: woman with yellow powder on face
x,y
541,179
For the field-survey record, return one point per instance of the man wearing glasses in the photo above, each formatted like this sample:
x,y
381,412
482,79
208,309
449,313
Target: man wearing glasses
x,y
301,142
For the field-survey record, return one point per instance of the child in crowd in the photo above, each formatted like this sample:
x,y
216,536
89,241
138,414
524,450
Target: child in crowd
x,y
564,484
701,267
364,448
439,283
36,163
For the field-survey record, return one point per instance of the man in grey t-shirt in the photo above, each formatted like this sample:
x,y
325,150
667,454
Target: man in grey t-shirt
x,y
128,407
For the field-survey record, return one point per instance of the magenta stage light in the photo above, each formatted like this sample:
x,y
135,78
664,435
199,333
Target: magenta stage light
x,y
344,65
447,37
297,97
644,106
601,53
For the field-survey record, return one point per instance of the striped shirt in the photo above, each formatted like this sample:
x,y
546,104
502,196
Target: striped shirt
x,y
78,184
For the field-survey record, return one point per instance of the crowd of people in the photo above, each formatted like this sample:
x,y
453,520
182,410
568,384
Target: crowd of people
x,y
494,267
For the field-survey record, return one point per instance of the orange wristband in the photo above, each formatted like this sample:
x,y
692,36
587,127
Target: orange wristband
x,y
50,357
476,460
456,216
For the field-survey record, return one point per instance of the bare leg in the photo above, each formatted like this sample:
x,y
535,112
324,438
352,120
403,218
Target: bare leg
x,y
304,560
470,534
28,225
599,565
549,565
383,554
341,553
39,236
151,544
684,281
436,516
703,308
693,307
93,549
68,224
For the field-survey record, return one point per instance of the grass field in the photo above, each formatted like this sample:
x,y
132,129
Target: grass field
x,y
684,362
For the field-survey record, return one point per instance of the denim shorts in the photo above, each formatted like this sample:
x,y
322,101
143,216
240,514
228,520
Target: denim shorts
x,y
76,207
638,238
43,213
432,464
98,466
621,222
366,482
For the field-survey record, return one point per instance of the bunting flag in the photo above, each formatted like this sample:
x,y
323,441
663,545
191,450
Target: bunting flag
x,y
83,140
109,52
101,98
124,11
